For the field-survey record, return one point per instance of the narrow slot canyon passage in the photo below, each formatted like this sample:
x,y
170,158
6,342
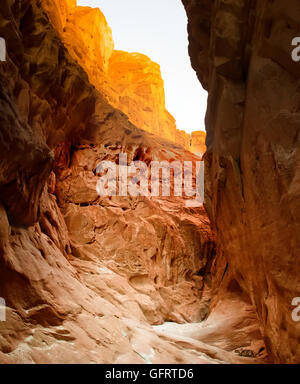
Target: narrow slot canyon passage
x,y
128,235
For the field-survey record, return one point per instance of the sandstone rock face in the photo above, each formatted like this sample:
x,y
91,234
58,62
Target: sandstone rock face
x,y
89,40
131,82
139,93
58,11
184,139
89,279
198,145
241,51
157,245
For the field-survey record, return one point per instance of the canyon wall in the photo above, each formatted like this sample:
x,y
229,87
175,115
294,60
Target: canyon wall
x,y
198,139
88,279
139,93
241,51
84,278
131,82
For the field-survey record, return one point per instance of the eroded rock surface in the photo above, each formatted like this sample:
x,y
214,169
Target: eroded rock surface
x,y
198,145
130,82
241,51
88,279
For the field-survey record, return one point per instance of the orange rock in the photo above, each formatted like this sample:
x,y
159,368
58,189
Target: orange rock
x,y
242,56
198,145
85,278
139,92
130,82
183,139
91,44
58,11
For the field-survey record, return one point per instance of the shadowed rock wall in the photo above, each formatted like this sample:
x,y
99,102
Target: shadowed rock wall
x,y
241,51
84,278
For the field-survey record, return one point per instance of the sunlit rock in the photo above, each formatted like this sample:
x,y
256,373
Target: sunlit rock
x,y
130,82
198,145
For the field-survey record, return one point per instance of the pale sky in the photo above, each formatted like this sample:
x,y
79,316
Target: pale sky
x,y
158,29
